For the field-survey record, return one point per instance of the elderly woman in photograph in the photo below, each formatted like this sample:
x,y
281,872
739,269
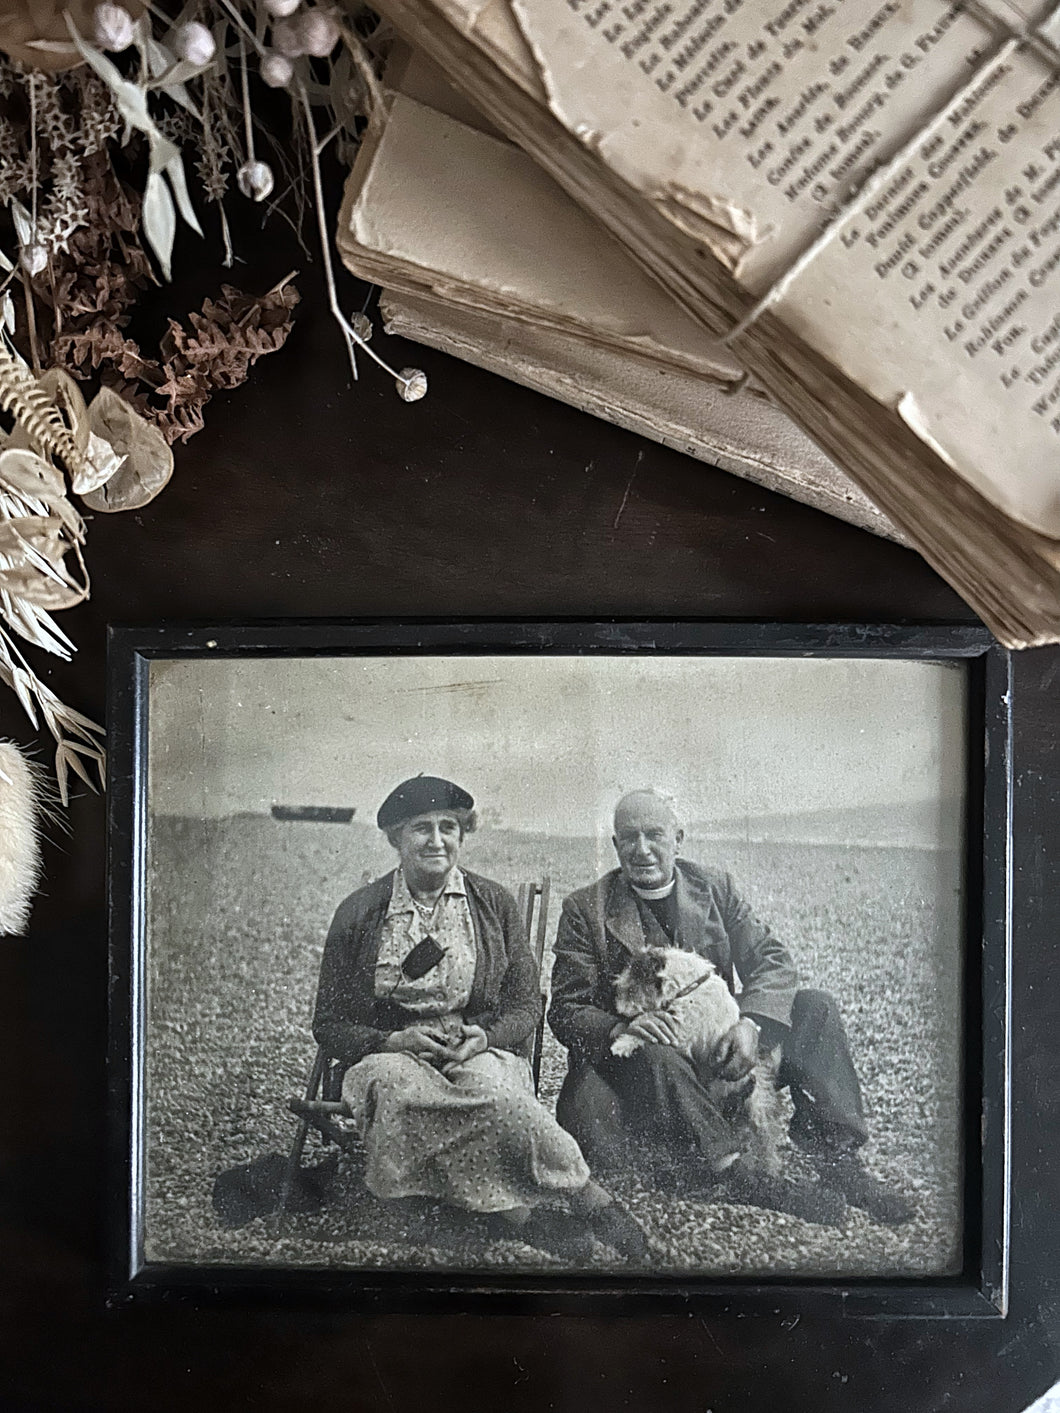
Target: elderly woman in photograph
x,y
428,993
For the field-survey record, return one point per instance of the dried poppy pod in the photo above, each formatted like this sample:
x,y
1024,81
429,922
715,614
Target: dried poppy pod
x,y
112,27
34,258
35,33
195,43
312,32
319,32
255,180
277,70
412,384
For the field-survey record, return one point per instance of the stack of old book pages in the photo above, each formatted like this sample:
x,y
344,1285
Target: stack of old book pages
x,y
862,201
479,253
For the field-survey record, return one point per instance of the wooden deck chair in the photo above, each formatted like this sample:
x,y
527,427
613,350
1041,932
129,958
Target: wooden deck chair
x,y
533,905
321,1106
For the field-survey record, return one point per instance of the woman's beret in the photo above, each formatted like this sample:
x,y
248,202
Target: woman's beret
x,y
421,795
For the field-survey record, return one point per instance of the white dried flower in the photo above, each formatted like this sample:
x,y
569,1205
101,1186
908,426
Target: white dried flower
x,y
277,70
255,180
113,27
194,43
319,32
287,39
412,384
33,258
361,326
280,9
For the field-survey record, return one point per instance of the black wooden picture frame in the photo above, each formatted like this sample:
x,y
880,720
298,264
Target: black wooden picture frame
x,y
980,1289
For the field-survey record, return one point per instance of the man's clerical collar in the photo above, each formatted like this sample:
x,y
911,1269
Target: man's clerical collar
x,y
652,895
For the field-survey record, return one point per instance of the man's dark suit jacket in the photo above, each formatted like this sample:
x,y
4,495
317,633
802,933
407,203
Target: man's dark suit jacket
x,y
601,925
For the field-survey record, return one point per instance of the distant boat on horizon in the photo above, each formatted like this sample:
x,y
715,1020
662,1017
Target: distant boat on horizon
x,y
315,814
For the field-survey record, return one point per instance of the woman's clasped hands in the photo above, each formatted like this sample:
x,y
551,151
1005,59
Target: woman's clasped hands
x,y
445,1048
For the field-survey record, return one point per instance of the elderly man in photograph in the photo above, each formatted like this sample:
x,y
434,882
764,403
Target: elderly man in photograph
x,y
655,898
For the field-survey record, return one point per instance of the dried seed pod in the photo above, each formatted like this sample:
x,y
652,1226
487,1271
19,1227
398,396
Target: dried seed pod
x,y
102,463
22,536
412,384
361,326
277,70
26,25
39,422
281,9
319,33
66,395
287,39
194,43
113,27
146,460
33,258
29,475
35,587
255,180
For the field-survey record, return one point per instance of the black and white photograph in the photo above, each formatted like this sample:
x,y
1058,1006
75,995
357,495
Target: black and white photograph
x,y
545,963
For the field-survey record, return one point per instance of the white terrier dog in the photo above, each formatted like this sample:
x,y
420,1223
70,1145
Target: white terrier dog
x,y
693,992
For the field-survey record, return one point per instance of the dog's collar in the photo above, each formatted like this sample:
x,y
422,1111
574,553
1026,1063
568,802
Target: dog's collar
x,y
687,990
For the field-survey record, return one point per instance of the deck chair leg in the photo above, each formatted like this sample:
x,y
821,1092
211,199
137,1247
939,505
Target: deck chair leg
x,y
533,908
294,1162
543,889
294,1158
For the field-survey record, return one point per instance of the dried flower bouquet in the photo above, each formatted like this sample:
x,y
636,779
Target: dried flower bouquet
x,y
99,103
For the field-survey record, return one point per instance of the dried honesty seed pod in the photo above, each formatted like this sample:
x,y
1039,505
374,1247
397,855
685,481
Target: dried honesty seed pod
x,y
319,32
143,459
28,475
255,180
194,43
361,326
102,463
113,27
280,9
412,384
33,258
24,537
277,70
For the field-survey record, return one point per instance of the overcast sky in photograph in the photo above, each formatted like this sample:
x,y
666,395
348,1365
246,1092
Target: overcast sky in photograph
x,y
552,742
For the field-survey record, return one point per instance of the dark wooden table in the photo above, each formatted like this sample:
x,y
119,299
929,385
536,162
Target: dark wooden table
x,y
304,497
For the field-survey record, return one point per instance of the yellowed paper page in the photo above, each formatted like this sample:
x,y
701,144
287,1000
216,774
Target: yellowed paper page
x,y
959,257
755,126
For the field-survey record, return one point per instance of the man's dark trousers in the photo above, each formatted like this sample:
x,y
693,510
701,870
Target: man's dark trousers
x,y
656,1096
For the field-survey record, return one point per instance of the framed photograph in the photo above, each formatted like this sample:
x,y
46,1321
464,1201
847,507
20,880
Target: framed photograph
x,y
632,961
